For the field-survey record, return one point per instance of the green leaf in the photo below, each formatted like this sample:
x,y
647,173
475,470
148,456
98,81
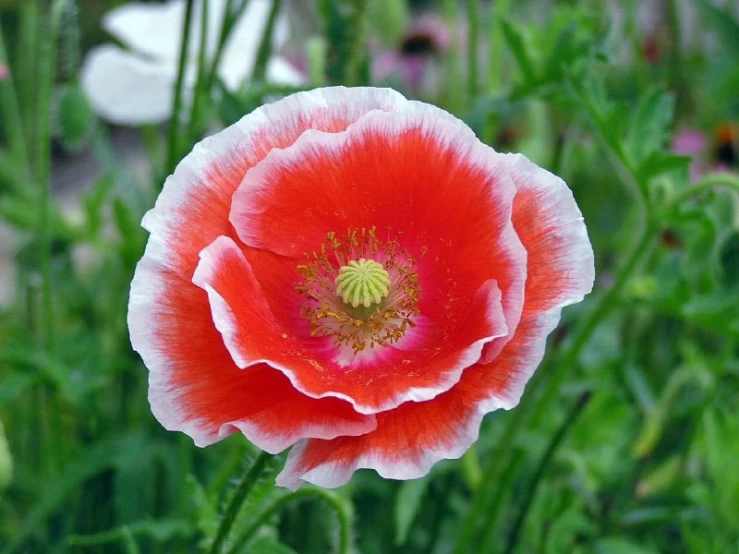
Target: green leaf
x,y
658,163
407,506
649,127
520,52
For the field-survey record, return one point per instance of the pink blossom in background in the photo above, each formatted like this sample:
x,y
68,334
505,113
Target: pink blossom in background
x,y
427,38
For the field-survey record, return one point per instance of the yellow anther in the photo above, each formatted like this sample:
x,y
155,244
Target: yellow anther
x,y
363,283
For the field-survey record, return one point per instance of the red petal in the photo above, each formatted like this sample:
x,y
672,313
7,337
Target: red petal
x,y
439,189
194,385
560,265
253,335
410,439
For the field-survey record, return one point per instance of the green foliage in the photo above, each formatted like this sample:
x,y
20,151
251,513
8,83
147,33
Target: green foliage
x,y
626,439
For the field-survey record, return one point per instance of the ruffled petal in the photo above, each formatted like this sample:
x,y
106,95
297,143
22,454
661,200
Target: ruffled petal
x,y
252,335
169,317
126,89
551,227
410,439
424,177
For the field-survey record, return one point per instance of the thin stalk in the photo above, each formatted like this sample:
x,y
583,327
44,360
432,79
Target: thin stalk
x,y
339,506
237,500
587,327
487,497
174,123
473,46
47,75
230,17
705,184
201,80
26,68
495,68
265,46
676,69
356,46
541,469
454,94
11,111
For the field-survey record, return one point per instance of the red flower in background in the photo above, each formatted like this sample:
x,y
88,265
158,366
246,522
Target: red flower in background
x,y
356,273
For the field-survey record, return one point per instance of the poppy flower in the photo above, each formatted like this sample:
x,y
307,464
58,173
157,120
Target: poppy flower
x,y
355,274
135,86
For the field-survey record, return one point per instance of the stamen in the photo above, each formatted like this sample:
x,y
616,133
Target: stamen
x,y
360,290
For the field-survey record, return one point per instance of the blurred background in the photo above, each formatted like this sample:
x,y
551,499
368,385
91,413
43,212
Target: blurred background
x,y
627,439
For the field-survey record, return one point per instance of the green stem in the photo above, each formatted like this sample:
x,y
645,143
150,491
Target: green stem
x,y
356,45
473,39
174,123
237,500
705,184
676,64
339,506
229,19
201,81
265,46
590,323
495,68
47,76
11,111
488,497
544,463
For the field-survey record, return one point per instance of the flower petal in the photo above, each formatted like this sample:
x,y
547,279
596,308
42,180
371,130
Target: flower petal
x,y
126,89
155,30
195,387
410,439
151,29
252,335
370,176
560,268
169,317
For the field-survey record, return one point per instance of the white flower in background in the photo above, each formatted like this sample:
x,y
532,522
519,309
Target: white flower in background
x,y
136,86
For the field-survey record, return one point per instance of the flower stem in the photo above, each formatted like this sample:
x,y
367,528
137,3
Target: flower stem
x,y
340,507
47,75
174,123
473,39
707,183
11,112
237,500
259,75
544,463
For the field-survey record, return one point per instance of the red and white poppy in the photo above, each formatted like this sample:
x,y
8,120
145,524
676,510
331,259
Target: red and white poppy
x,y
355,274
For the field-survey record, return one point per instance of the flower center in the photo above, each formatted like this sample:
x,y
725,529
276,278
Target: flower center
x,y
362,283
360,290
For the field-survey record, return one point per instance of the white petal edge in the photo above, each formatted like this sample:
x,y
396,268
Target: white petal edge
x,y
237,145
337,474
